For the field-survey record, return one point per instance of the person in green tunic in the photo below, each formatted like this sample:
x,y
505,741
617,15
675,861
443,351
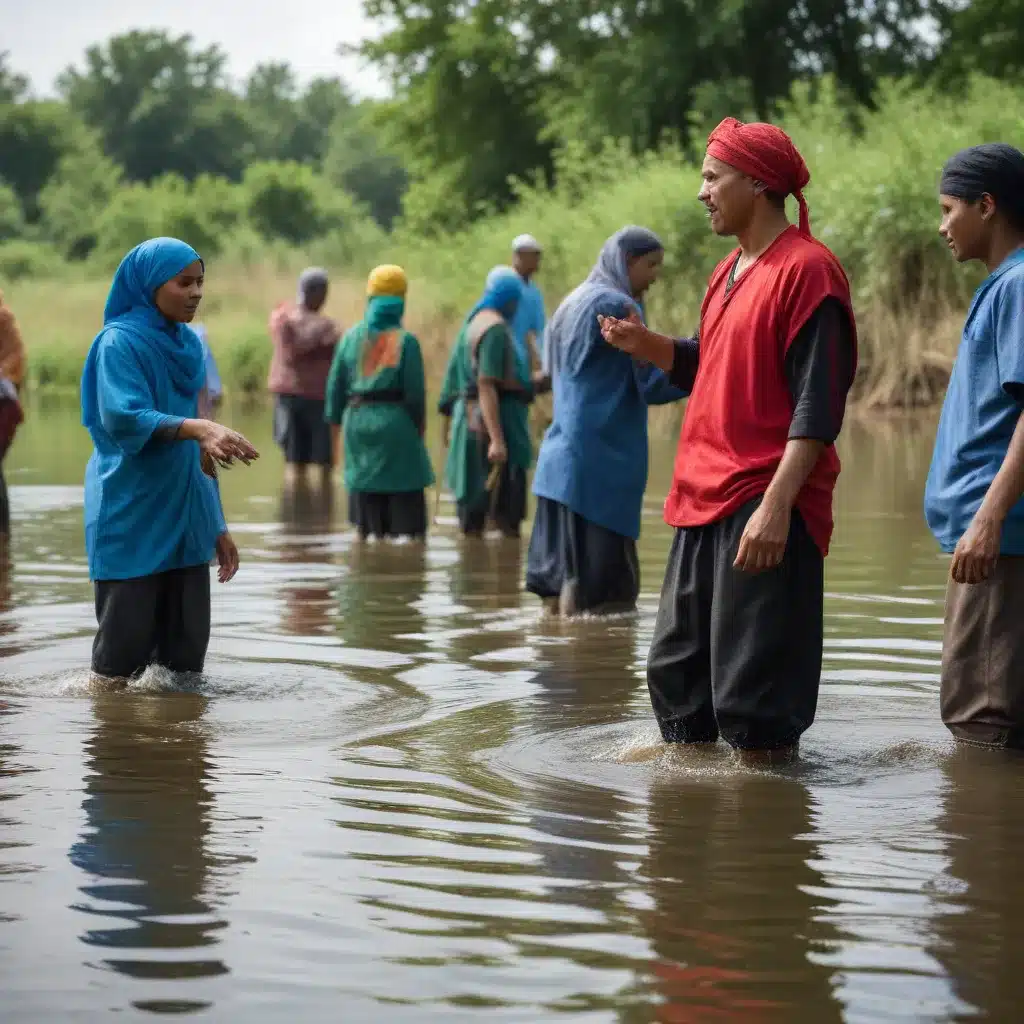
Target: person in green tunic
x,y
376,402
486,395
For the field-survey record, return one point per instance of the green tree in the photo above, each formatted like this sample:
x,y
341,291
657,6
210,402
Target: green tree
x,y
13,86
71,203
34,136
981,35
161,105
289,124
12,220
357,162
467,91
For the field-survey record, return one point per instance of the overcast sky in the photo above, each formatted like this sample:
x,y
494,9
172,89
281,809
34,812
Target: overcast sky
x,y
43,37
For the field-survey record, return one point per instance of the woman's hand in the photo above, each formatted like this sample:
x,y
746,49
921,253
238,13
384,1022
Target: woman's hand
x,y
227,558
218,442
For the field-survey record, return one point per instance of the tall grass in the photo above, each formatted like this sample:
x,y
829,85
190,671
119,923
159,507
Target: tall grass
x,y
872,198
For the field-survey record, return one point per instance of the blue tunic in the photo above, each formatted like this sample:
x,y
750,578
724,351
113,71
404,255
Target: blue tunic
x,y
529,317
980,413
149,507
593,458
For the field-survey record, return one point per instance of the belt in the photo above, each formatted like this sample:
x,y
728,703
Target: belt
x,y
393,396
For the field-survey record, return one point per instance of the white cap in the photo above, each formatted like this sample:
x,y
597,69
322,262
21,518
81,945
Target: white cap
x,y
525,243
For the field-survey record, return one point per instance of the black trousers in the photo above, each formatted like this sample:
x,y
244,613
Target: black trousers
x,y
734,654
567,550
162,620
507,508
378,514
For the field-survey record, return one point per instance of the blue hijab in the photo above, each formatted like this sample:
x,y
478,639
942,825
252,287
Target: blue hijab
x,y
607,285
148,506
131,308
502,291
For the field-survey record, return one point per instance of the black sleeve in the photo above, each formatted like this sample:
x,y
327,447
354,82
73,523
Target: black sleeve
x,y
684,364
819,370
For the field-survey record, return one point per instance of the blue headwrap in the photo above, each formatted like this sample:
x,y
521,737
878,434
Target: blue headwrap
x,y
131,308
502,292
995,168
608,282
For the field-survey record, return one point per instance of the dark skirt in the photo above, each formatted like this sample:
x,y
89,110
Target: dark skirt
x,y
505,507
301,430
162,619
402,514
585,566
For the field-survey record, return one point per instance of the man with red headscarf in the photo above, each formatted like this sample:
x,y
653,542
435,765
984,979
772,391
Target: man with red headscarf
x,y
737,645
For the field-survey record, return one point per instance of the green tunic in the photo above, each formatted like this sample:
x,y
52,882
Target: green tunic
x,y
495,357
383,440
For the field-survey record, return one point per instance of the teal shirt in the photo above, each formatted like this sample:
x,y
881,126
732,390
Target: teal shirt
x,y
383,440
496,357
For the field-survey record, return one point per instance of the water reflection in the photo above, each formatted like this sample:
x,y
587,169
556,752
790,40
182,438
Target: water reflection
x,y
306,516
980,938
145,847
732,922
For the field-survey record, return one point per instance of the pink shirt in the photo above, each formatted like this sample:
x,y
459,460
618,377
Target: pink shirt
x,y
303,349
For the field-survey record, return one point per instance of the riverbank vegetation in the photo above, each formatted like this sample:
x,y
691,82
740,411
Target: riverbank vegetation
x,y
497,125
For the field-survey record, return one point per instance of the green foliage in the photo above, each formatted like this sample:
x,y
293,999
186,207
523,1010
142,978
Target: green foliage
x,y
20,259
292,202
74,198
160,105
13,86
33,137
246,362
12,220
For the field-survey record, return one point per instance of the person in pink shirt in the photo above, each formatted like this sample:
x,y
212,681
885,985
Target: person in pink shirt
x,y
304,340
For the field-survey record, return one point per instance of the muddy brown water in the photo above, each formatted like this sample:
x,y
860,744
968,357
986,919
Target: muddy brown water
x,y
400,794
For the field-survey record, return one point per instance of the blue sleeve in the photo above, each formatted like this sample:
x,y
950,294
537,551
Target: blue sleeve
x,y
655,385
1009,330
125,400
213,384
578,349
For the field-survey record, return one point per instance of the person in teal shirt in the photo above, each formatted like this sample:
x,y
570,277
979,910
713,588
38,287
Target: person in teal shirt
x,y
530,318
153,518
974,495
486,393
376,401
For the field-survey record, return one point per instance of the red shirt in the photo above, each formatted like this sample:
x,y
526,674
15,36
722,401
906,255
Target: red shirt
x,y
303,350
739,412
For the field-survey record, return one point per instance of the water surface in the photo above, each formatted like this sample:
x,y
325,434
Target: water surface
x,y
401,794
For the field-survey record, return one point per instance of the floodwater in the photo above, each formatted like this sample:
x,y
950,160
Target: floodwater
x,y
400,794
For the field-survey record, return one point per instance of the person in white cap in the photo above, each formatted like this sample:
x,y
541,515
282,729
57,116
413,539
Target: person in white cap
x,y
530,318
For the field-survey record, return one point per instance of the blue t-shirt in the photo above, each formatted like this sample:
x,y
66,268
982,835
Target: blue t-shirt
x,y
529,317
981,410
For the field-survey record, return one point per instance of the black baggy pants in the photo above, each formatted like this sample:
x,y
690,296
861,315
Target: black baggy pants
x,y
735,654
162,619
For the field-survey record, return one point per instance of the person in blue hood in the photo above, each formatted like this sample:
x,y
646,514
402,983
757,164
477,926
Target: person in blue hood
x,y
153,518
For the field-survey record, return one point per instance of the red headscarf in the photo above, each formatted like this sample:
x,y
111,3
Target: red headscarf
x,y
766,153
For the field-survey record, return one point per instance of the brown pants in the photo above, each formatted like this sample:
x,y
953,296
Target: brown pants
x,y
982,690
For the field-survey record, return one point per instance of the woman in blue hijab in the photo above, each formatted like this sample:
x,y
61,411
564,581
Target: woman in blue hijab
x,y
153,519
486,392
592,467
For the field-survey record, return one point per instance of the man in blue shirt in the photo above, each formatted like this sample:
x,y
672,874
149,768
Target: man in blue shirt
x,y
529,321
973,497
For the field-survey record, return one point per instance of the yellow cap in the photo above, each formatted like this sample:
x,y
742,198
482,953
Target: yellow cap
x,y
387,280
